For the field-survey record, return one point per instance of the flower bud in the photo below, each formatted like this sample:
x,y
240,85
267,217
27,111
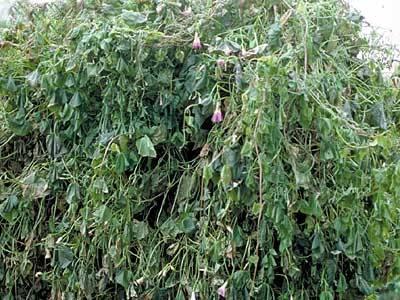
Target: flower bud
x,y
221,63
196,42
227,51
187,12
217,115
222,290
159,8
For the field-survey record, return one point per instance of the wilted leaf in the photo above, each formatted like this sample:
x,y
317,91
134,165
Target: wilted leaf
x,y
145,147
379,115
33,78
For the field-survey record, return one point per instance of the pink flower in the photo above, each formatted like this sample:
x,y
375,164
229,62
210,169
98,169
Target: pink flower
x,y
187,12
227,51
221,63
217,116
159,8
196,42
222,290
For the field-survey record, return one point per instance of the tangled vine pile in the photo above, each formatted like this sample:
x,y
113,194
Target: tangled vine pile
x,y
196,149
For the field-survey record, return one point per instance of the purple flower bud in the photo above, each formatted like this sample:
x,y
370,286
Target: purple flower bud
x,y
217,115
222,290
187,12
196,42
221,63
227,51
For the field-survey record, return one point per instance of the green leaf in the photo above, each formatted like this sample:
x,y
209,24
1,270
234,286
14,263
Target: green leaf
x,y
54,144
65,257
70,82
36,187
19,124
121,163
100,185
102,214
317,246
253,259
180,296
145,147
363,285
121,65
326,295
306,114
187,223
72,193
226,175
160,135
170,229
311,207
115,148
207,173
122,278
11,85
247,149
67,112
379,116
274,35
240,279
123,143
238,236
358,245
8,209
185,188
310,49
140,229
30,179
327,150
302,178
177,139
76,100
133,18
12,201
342,284
91,70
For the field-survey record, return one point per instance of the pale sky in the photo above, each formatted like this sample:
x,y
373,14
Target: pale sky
x,y
383,14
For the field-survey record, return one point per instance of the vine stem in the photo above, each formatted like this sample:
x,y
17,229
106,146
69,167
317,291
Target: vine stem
x,y
260,182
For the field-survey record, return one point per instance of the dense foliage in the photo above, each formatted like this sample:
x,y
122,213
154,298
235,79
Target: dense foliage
x,y
117,178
